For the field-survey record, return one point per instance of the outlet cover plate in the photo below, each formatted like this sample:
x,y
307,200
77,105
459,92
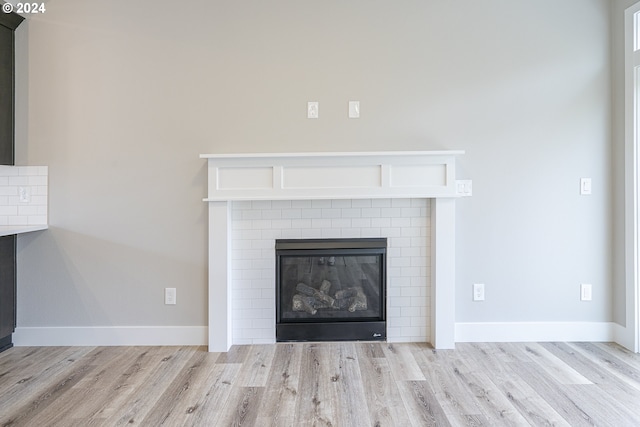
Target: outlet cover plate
x,y
170,296
478,291
464,187
313,109
354,109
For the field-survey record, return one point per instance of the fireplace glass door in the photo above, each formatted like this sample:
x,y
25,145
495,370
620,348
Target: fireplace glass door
x,y
330,289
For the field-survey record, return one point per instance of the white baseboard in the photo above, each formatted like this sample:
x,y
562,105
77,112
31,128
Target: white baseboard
x,y
536,331
110,336
197,335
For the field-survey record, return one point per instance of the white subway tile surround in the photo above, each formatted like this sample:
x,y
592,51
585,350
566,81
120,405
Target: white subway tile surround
x,y
255,225
23,196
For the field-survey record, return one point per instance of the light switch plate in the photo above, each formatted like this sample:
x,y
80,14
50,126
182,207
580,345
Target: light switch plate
x,y
585,186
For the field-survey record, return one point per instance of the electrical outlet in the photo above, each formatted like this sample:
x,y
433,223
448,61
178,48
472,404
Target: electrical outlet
x,y
169,296
478,291
313,109
354,109
24,194
464,187
585,292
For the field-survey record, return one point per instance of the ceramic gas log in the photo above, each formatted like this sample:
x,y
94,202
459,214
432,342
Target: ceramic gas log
x,y
310,299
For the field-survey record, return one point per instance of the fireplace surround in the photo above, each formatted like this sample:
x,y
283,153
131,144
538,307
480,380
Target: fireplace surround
x,y
321,177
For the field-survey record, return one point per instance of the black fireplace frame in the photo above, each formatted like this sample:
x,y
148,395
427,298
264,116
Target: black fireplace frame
x,y
340,329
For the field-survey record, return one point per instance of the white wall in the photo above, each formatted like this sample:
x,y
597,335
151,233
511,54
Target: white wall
x,y
119,98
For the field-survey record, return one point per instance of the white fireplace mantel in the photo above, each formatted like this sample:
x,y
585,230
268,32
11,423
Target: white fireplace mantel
x,y
289,176
364,175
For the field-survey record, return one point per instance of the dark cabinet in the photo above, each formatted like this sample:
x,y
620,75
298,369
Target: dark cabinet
x,y
7,290
8,24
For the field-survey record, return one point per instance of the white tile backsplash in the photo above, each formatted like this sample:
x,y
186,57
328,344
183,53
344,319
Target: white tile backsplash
x,y
32,179
256,225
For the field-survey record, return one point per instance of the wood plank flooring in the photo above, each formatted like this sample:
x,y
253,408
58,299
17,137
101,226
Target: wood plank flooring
x,y
322,384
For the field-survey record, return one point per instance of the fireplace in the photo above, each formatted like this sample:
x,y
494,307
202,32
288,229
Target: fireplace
x,y
241,270
331,289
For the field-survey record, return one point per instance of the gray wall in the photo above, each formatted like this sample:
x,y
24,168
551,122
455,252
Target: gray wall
x,y
119,98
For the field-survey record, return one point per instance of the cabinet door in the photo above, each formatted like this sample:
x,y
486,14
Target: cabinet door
x,y
7,243
7,285
8,23
6,96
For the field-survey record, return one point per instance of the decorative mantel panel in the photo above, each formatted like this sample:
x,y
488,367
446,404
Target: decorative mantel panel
x,y
331,175
366,175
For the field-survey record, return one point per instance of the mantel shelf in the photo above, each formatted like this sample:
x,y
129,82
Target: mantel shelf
x,y
332,154
331,175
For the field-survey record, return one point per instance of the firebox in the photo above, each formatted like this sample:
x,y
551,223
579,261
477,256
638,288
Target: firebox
x,y
331,289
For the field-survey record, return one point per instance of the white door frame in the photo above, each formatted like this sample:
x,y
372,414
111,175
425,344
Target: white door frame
x,y
630,335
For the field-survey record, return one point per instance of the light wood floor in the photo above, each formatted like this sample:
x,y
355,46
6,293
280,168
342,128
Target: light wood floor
x,y
327,384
